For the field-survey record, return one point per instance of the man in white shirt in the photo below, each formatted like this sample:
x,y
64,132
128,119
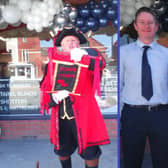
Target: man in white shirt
x,y
144,94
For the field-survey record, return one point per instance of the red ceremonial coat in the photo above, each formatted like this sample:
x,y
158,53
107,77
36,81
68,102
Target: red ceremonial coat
x,y
90,124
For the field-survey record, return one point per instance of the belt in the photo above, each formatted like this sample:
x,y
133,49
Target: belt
x,y
147,107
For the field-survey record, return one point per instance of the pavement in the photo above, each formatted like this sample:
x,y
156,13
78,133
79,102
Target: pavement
x,y
25,153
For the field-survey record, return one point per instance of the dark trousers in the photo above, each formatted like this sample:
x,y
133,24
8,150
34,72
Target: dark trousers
x,y
69,142
137,124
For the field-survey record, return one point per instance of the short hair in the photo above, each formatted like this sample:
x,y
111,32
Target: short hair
x,y
148,10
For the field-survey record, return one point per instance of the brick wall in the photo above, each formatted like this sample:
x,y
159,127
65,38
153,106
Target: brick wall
x,y
39,129
32,44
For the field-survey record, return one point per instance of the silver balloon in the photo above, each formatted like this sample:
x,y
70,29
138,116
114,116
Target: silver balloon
x,y
69,25
160,7
73,20
66,9
60,20
73,14
161,10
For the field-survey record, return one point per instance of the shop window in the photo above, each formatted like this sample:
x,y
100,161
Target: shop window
x,y
21,73
12,71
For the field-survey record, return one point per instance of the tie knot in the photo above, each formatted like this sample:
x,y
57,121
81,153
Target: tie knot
x,y
146,47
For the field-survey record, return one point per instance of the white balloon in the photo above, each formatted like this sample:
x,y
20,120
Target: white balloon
x,y
122,3
11,14
3,25
122,9
52,11
131,11
127,20
122,23
40,29
50,17
16,24
50,5
58,7
29,18
36,11
45,23
13,1
24,17
37,19
30,26
147,3
35,5
43,6
44,15
24,5
51,2
130,2
138,5
2,7
37,26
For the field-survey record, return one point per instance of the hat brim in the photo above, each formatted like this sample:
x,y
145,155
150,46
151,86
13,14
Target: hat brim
x,y
70,32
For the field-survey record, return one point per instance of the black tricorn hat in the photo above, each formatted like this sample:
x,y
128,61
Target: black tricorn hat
x,y
70,32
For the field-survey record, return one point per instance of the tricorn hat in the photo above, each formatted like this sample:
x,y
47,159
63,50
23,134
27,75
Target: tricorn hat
x,y
70,32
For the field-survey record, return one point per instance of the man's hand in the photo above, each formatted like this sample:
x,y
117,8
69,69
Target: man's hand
x,y
60,95
77,54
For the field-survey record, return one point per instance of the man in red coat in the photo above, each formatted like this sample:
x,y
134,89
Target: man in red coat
x,y
71,79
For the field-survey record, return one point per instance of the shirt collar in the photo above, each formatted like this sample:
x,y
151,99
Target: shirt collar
x,y
141,44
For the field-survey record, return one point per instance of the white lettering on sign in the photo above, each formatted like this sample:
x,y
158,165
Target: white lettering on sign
x,y
18,101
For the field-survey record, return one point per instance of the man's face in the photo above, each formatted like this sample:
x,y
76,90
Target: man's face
x,y
146,27
69,42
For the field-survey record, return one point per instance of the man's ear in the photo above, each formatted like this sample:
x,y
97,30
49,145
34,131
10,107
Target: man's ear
x,y
157,27
135,26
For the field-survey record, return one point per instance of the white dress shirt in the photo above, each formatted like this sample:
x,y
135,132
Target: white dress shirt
x,y
130,73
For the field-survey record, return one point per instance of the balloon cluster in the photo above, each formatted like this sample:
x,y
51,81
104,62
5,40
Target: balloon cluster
x,y
128,9
161,8
94,14
53,14
36,14
65,18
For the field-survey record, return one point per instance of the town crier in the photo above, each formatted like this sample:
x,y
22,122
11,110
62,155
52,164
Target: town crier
x,y
69,85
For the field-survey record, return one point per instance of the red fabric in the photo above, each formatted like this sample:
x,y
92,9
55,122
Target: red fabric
x,y
90,125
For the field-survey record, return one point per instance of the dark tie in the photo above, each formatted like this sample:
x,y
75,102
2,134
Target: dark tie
x,y
147,88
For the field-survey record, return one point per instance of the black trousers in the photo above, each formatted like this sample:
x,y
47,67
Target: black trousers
x,y
137,124
69,142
